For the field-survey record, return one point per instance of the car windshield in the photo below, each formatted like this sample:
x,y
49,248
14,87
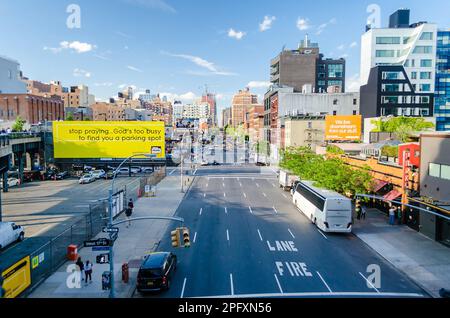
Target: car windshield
x,y
150,273
86,176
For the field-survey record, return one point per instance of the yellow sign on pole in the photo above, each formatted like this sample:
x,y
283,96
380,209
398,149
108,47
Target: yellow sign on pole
x,y
343,128
108,140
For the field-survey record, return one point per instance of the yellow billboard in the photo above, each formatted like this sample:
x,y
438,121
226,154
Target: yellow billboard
x,y
343,127
17,278
108,140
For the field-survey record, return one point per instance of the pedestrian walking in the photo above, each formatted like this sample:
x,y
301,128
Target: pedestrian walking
x,y
358,210
399,215
129,212
363,212
392,210
88,271
80,265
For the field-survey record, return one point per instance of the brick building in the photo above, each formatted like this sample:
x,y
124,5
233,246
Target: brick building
x,y
34,109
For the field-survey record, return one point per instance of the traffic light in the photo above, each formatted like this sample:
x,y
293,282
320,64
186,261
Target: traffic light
x,y
186,239
175,238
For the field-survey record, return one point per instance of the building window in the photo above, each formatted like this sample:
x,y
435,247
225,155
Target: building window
x,y
335,83
425,87
439,171
425,75
335,102
423,49
392,75
426,63
355,101
413,75
321,83
445,172
335,70
385,53
388,40
334,112
427,36
355,112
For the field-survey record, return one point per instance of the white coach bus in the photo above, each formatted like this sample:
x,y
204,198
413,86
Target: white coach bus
x,y
328,210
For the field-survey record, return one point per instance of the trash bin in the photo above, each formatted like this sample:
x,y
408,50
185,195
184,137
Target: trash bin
x,y
72,252
106,280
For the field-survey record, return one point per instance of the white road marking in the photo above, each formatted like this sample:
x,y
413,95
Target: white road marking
x,y
182,290
240,184
321,294
265,195
273,185
224,195
171,172
325,283
260,236
231,283
226,211
195,237
223,184
291,233
257,185
368,282
278,283
322,234
228,236
207,184
245,195
204,195
284,195
201,211
275,210
250,208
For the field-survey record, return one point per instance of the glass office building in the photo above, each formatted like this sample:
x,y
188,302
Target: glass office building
x,y
442,89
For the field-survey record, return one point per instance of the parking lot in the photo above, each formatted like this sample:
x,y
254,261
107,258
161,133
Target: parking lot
x,y
49,206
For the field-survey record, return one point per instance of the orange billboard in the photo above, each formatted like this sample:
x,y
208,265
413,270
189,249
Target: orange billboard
x,y
343,127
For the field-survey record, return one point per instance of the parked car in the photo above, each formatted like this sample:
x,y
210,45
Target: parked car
x,y
136,169
12,182
204,163
99,173
109,174
156,272
87,178
10,233
147,170
215,163
122,171
62,175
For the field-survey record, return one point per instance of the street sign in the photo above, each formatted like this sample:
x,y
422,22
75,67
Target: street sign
x,y
102,259
105,229
99,242
100,248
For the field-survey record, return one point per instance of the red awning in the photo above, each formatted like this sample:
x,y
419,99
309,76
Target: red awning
x,y
379,184
394,194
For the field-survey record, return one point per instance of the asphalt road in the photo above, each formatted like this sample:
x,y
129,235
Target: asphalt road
x,y
248,240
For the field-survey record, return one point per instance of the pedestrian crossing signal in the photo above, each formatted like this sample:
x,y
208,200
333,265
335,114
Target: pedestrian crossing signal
x,y
175,235
186,239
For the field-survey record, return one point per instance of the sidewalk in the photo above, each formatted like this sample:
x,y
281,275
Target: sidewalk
x,y
425,261
132,244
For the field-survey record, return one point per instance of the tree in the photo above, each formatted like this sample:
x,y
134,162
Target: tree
x,y
69,117
402,126
18,124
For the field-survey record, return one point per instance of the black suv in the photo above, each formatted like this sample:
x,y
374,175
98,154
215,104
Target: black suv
x,y
156,272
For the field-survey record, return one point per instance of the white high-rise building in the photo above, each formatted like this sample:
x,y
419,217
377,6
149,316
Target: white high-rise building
x,y
178,109
10,77
412,46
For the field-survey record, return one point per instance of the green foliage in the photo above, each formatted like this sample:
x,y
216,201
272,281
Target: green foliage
x,y
389,151
69,117
335,150
402,126
332,174
18,124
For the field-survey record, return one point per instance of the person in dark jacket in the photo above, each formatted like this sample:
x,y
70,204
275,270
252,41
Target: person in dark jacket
x,y
129,212
80,265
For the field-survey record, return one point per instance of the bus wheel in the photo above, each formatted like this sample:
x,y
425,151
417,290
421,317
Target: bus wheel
x,y
315,221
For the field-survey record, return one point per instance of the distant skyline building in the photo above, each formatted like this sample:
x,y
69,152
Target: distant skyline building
x,y
210,98
240,104
307,66
442,89
11,77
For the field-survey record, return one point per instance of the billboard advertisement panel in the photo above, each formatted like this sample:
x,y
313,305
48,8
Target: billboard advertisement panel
x,y
343,128
108,140
17,278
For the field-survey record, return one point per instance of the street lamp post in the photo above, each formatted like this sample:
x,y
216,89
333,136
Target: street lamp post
x,y
110,200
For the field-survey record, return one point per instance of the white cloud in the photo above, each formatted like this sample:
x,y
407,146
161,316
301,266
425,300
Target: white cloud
x,y
267,23
323,26
105,84
303,24
259,84
353,44
344,56
186,97
78,72
353,83
152,4
77,46
135,69
341,47
238,35
102,57
211,67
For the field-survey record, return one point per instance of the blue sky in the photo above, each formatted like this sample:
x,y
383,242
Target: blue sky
x,y
177,46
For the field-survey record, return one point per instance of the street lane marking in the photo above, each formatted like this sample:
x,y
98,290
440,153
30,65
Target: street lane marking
x,y
228,236
240,184
250,208
284,195
322,234
368,282
204,195
291,233
275,210
195,236
172,172
226,211
325,283
320,294
260,236
207,184
182,290
224,195
273,185
231,283
223,184
201,211
264,195
257,185
278,283
245,195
